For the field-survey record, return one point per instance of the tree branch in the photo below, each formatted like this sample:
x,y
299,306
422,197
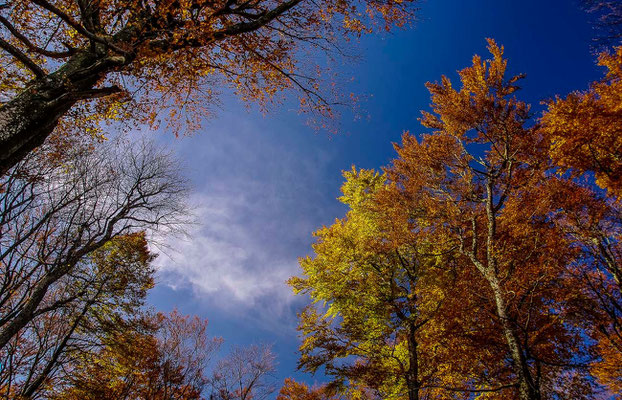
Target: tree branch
x,y
23,58
19,36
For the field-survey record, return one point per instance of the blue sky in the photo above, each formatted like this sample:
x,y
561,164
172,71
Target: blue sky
x,y
263,183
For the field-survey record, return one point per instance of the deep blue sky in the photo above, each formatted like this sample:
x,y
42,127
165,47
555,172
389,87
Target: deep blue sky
x,y
263,184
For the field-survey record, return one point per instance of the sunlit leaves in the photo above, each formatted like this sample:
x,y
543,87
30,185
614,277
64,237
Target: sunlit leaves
x,y
468,258
585,128
167,61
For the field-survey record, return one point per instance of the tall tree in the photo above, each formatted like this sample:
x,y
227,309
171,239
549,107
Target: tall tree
x,y
101,298
384,287
165,361
584,137
476,198
592,223
118,59
479,177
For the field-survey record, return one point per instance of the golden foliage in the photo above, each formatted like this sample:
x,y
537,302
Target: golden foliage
x,y
585,128
468,269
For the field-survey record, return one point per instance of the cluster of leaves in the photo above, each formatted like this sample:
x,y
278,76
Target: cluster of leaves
x,y
292,390
481,263
585,128
165,359
474,267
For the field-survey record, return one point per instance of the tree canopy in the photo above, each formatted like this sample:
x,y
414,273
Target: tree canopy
x,y
71,65
472,267
483,262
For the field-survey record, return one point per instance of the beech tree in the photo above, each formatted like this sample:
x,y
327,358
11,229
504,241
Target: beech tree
x,y
593,225
584,136
101,298
490,204
71,64
166,360
384,327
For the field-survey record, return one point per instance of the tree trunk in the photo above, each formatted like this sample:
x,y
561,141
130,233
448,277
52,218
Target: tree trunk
x,y
412,377
29,118
29,390
526,388
29,310
27,313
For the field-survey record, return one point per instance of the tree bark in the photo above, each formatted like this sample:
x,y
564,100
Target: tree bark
x,y
412,378
29,118
526,387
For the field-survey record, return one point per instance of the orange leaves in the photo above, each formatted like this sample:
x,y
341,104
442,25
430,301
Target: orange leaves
x,y
163,358
482,103
476,184
613,63
608,370
543,243
510,266
585,128
292,390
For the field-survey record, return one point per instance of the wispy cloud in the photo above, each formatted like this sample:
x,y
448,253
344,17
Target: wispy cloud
x,y
256,205
223,257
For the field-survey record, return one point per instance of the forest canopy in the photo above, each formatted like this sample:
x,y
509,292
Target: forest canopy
x,y
70,66
484,261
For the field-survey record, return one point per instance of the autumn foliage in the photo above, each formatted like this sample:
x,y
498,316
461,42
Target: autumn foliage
x,y
473,267
484,262
585,129
292,390
165,359
71,66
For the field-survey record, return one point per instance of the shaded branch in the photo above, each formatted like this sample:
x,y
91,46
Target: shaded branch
x,y
23,58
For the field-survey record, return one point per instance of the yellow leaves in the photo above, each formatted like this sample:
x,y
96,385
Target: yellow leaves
x,y
484,76
127,260
360,185
613,63
497,65
353,24
371,281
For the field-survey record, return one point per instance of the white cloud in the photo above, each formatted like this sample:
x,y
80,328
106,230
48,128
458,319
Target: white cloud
x,y
256,207
233,263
